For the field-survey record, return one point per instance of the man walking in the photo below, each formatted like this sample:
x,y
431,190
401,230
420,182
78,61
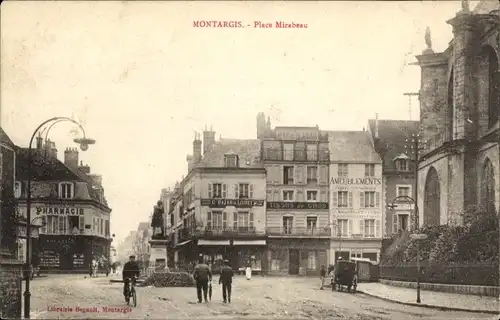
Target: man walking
x,y
322,274
226,279
202,275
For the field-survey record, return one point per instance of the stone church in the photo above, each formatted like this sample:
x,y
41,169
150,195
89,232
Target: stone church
x,y
460,118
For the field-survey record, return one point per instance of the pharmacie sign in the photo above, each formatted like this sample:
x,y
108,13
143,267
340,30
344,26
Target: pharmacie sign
x,y
59,211
356,181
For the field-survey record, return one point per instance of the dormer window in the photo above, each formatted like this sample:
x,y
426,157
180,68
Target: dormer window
x,y
402,162
231,160
66,190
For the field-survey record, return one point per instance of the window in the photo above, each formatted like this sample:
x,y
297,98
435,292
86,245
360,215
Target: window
x,y
288,195
217,220
63,224
243,221
342,227
356,254
312,152
312,195
343,199
404,191
402,164
288,175
217,190
312,175
18,189
369,170
287,225
343,170
244,191
231,160
81,223
369,228
288,151
312,223
311,260
369,199
66,190
101,231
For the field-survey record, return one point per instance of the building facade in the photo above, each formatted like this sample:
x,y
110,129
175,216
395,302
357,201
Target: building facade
x,y
356,196
68,204
223,204
142,245
394,142
296,160
460,113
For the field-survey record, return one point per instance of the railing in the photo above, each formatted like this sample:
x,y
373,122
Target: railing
x,y
295,155
296,231
235,232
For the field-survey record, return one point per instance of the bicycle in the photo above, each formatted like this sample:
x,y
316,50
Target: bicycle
x,y
131,293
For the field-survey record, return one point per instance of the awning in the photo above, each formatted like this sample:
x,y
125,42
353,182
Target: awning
x,y
249,242
213,242
183,243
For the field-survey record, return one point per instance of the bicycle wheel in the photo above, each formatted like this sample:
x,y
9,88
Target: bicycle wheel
x,y
134,298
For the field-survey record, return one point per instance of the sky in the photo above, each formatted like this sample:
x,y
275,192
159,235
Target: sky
x,y
141,79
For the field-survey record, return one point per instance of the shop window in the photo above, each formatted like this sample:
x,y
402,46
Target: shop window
x,y
311,260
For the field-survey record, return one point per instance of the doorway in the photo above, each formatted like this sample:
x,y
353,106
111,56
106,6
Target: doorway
x,y
294,261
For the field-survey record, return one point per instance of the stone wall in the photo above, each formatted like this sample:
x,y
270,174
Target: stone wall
x,y
10,289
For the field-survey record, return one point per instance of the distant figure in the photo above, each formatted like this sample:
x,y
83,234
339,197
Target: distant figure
x,y
248,271
226,279
91,270
202,275
95,267
113,266
322,274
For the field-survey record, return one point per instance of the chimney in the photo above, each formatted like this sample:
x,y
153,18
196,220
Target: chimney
x,y
196,148
53,150
39,143
208,140
97,179
189,159
84,168
376,126
71,158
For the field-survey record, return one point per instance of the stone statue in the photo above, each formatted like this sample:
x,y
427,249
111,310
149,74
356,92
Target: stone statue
x,y
465,5
428,40
157,220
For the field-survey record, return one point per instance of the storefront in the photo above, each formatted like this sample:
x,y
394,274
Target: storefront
x,y
351,248
297,256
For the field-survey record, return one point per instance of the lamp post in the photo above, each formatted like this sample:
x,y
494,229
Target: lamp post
x,y
415,236
339,233
84,143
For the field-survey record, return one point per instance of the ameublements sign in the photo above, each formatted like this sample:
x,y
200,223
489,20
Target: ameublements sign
x,y
60,211
239,203
297,205
362,181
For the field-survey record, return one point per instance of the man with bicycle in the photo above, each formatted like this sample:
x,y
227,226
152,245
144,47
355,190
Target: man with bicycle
x,y
130,272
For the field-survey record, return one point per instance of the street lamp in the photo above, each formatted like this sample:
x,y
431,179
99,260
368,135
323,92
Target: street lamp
x,y
415,236
339,234
84,145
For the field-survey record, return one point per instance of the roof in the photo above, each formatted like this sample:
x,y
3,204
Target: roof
x,y
352,146
487,6
392,136
4,138
42,168
248,151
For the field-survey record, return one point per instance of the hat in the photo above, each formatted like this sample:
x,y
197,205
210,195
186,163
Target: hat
x,y
131,257
226,261
340,258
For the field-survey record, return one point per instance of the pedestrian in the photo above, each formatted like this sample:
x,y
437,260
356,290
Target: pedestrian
x,y
91,270
202,275
226,279
248,271
322,274
130,272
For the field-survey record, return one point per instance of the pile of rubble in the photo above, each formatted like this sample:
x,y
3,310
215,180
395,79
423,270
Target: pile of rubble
x,y
169,279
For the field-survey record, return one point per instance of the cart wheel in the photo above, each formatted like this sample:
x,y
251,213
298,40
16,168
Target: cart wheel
x,y
348,288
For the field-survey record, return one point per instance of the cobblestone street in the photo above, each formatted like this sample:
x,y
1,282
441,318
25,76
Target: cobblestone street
x,y
263,298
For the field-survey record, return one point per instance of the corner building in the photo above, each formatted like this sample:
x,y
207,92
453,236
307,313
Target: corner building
x,y
356,193
296,160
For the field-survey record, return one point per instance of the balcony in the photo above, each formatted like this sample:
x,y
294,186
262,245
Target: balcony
x,y
299,232
219,232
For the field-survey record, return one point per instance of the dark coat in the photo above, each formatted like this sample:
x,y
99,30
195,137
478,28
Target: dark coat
x,y
130,269
226,275
202,272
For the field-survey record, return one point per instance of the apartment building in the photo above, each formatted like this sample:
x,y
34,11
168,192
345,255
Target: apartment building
x,y
356,193
296,160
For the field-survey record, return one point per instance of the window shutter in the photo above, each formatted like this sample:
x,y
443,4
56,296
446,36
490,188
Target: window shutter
x,y
210,191
276,196
362,199
349,226
81,223
339,173
377,228
224,191
377,199
350,200
269,195
323,175
224,220
236,191
334,199
394,223
362,227
251,219
209,219
323,197
280,180
367,170
250,191
235,220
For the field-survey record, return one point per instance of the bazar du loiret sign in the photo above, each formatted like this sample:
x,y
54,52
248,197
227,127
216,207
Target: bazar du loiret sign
x,y
238,203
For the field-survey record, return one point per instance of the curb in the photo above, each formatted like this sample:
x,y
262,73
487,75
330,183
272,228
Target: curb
x,y
442,308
